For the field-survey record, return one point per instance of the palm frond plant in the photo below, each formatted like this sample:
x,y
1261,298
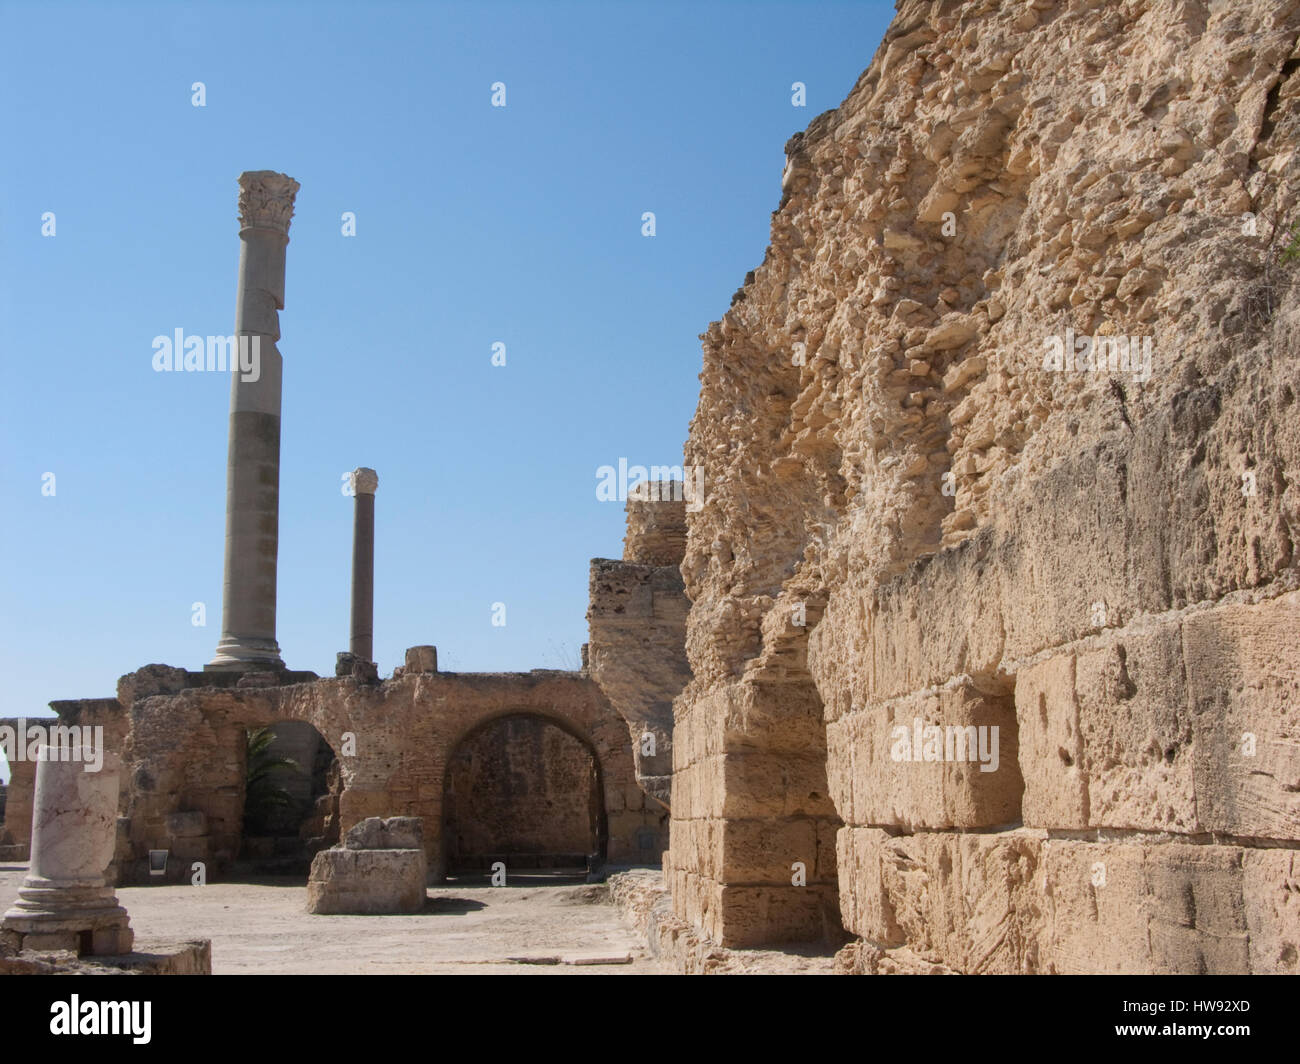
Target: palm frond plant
x,y
264,794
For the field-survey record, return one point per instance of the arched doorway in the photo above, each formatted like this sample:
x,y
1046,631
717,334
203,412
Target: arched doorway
x,y
292,783
523,790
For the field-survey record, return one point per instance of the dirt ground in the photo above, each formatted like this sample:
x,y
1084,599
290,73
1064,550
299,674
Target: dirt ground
x,y
466,928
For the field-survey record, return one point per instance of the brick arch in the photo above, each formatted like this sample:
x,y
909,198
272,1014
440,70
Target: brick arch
x,y
563,723
407,729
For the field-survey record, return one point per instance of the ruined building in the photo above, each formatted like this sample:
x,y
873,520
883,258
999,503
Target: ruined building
x,y
543,768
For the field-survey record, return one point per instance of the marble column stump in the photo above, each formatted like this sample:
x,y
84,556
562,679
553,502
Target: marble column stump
x,y
66,901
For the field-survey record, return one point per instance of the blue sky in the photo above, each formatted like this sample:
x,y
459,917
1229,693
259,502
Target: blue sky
x,y
474,224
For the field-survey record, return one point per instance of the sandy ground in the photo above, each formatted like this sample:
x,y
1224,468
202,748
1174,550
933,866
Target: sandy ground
x,y
467,928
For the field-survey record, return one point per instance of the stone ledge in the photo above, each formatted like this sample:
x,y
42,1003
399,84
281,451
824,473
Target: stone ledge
x,y
153,958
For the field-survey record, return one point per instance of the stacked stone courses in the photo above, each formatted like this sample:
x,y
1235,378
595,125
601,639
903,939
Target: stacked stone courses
x,y
909,518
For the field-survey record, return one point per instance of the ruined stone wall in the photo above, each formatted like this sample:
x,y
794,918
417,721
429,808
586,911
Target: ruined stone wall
x,y
183,743
636,647
521,788
911,520
16,828
656,523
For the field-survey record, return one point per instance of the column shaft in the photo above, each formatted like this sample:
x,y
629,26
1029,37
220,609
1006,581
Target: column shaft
x,y
363,579
253,462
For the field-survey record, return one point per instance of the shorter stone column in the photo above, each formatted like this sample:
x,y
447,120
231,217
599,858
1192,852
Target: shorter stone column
x,y
365,482
66,901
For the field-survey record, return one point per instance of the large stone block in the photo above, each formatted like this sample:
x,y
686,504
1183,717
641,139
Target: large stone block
x,y
386,833
765,851
1017,901
1136,730
421,659
750,916
1134,907
885,767
366,881
769,784
1106,736
1270,890
1051,745
1243,686
966,901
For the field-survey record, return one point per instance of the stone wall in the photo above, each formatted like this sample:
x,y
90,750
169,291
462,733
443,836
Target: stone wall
x,y
915,519
16,828
183,735
656,523
637,623
183,742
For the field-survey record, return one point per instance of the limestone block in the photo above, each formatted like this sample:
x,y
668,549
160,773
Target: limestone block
x,y
964,900
1144,908
1051,745
864,905
1271,897
778,716
390,833
1136,731
947,622
764,851
744,916
366,881
879,772
1243,685
421,659
1016,901
770,784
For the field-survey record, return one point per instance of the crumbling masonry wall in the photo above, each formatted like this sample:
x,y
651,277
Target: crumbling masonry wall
x,y
183,734
911,515
183,740
637,625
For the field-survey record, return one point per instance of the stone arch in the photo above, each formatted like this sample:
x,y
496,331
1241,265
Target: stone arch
x,y
290,812
513,792
406,730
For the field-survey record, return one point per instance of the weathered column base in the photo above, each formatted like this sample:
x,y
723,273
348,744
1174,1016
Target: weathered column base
x,y
234,653
84,918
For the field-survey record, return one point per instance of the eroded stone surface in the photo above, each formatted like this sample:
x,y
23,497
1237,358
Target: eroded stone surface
x,y
367,881
909,513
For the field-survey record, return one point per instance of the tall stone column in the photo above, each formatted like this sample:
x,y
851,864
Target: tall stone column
x,y
362,645
253,466
66,901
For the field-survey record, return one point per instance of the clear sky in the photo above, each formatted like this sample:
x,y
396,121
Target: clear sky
x,y
474,225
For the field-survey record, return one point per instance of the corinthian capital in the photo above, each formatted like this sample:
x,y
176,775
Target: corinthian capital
x,y
266,200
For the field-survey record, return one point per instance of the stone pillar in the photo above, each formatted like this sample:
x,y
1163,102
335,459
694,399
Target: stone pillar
x,y
253,466
66,901
362,643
